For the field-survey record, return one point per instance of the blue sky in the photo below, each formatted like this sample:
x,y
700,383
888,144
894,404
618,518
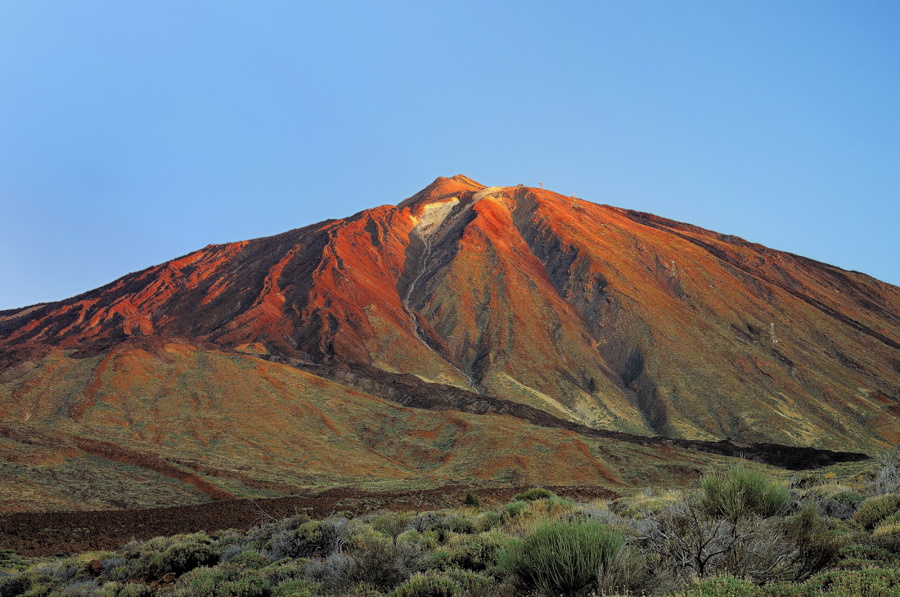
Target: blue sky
x,y
135,132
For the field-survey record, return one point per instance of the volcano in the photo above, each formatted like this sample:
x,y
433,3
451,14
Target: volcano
x,y
518,304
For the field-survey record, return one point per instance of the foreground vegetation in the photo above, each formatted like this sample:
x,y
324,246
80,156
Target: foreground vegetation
x,y
737,532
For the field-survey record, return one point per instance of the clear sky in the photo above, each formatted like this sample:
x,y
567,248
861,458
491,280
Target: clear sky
x,y
135,132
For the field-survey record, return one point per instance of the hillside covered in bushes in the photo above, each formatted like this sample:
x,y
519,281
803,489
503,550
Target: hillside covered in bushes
x,y
742,530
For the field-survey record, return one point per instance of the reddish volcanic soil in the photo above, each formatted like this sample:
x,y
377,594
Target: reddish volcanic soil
x,y
70,532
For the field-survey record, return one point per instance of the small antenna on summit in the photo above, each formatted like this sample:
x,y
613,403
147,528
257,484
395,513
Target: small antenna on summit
x,y
542,184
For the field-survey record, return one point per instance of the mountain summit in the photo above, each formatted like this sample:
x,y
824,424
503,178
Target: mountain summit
x,y
602,316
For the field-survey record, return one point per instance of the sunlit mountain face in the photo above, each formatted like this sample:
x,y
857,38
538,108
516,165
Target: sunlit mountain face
x,y
617,319
595,315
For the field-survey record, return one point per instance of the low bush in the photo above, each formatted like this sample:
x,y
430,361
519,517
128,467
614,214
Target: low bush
x,y
473,552
222,582
848,497
181,558
26,582
538,493
392,524
250,560
841,505
641,508
295,588
860,553
428,585
735,526
425,521
887,537
425,541
78,588
562,557
813,546
444,584
312,538
887,478
628,573
872,582
118,589
739,492
63,571
486,521
876,509
512,510
371,560
722,586
383,565
330,572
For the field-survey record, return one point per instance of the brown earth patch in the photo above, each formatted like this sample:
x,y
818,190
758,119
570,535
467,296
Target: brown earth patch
x,y
148,461
61,533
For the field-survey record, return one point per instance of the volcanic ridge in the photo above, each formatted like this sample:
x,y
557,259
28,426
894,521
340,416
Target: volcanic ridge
x,y
409,343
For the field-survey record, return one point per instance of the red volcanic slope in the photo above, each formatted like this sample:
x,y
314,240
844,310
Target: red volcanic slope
x,y
617,319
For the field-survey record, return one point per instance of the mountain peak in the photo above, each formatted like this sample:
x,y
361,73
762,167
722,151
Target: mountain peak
x,y
441,189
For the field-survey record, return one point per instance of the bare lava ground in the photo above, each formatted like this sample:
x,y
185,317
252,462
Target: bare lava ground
x,y
61,533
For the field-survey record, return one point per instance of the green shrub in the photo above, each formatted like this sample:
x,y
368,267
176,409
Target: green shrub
x,y
562,557
438,523
130,589
876,509
627,573
473,552
641,506
859,555
486,521
373,561
453,523
428,585
740,492
472,583
64,571
392,524
841,505
444,584
887,479
309,539
250,560
222,582
295,588
872,582
814,548
471,500
440,558
887,537
462,525
181,558
10,560
538,493
259,536
722,586
284,571
425,541
26,583
848,497
512,510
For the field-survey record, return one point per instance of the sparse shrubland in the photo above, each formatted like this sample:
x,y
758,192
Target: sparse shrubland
x,y
739,531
